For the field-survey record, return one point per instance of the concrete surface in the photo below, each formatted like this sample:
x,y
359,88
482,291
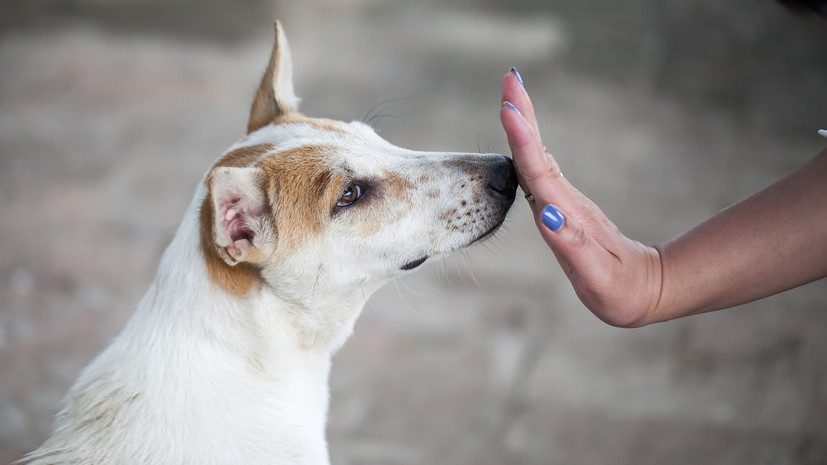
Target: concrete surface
x,y
662,112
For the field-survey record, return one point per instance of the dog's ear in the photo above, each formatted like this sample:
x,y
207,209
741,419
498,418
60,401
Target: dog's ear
x,y
242,229
275,93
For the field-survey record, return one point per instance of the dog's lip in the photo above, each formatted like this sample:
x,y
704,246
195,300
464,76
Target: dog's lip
x,y
415,263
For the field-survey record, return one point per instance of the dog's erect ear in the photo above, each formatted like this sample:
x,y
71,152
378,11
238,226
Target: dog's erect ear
x,y
275,93
241,228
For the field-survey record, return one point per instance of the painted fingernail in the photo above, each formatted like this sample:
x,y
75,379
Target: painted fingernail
x,y
552,218
511,105
822,132
519,78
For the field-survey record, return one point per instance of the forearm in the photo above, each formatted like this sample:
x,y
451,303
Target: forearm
x,y
770,242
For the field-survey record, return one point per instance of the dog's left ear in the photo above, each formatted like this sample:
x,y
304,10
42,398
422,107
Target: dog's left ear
x,y
275,93
241,227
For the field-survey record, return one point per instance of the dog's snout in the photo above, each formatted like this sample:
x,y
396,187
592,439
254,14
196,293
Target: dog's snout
x,y
503,179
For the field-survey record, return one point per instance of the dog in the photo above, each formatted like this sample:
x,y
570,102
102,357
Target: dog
x,y
226,359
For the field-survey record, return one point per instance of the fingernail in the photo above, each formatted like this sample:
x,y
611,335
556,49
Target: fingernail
x,y
552,218
519,78
822,132
511,105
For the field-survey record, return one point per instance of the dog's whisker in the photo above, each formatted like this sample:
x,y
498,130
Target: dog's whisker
x,y
316,283
397,285
461,260
505,234
459,271
445,275
495,243
479,147
373,119
367,118
409,289
467,261
368,307
370,117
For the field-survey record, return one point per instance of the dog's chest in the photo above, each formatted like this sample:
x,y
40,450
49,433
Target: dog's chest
x,y
201,405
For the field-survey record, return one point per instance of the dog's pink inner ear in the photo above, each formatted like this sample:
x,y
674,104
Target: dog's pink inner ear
x,y
233,221
241,230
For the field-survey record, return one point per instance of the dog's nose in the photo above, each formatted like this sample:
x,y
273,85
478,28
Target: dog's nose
x,y
503,180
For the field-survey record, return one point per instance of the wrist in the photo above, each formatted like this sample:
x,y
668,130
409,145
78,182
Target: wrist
x,y
634,301
649,306
656,286
671,301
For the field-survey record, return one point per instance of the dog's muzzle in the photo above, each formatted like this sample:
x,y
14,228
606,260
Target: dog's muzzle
x,y
500,179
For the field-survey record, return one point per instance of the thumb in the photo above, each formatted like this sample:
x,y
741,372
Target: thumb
x,y
580,255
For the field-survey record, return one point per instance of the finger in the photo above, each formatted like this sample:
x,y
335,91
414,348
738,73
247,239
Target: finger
x,y
513,91
516,98
583,259
537,170
515,135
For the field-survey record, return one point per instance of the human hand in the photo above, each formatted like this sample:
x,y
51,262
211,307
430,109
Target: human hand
x,y
617,278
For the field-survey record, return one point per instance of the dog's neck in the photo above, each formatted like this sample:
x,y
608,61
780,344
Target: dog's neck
x,y
198,356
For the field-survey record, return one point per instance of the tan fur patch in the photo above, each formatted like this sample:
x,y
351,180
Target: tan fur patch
x,y
399,187
241,278
301,191
398,191
318,123
243,156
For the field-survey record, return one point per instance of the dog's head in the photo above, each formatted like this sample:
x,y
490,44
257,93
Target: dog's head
x,y
316,208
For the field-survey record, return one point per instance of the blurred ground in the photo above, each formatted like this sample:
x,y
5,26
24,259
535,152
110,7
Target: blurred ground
x,y
662,111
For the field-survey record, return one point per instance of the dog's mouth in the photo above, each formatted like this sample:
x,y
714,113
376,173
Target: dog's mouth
x,y
419,261
415,263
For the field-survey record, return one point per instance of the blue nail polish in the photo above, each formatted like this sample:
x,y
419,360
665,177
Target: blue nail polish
x,y
519,78
511,105
552,218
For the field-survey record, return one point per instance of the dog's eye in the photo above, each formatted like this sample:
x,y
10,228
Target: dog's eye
x,y
351,194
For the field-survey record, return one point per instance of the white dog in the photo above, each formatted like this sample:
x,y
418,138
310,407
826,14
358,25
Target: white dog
x,y
226,359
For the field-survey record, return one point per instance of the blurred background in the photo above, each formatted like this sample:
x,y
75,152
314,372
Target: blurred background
x,y
662,111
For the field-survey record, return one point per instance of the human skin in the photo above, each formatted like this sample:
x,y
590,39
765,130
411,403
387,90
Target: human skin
x,y
770,242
